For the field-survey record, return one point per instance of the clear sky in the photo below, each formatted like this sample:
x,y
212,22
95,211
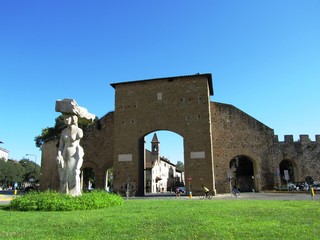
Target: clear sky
x,y
264,57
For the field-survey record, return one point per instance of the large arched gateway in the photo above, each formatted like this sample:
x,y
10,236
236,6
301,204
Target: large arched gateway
x,y
181,105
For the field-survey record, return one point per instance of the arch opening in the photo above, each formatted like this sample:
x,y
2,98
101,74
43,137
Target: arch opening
x,y
242,173
287,171
88,179
109,180
163,162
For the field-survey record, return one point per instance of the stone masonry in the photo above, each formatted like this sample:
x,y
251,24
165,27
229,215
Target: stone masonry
x,y
215,135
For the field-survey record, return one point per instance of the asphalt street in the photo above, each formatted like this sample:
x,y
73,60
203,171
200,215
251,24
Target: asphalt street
x,y
246,196
7,196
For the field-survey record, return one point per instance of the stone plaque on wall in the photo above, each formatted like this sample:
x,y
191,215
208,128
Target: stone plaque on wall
x,y
125,157
198,155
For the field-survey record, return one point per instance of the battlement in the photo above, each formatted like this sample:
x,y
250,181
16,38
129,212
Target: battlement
x,y
303,138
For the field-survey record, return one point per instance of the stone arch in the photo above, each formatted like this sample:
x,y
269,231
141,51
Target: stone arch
x,y
156,163
88,175
108,185
250,179
245,173
292,170
180,105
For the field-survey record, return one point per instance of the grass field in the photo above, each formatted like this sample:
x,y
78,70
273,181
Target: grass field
x,y
171,219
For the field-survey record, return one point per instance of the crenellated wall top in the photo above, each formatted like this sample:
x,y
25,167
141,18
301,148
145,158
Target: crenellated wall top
x,y
303,138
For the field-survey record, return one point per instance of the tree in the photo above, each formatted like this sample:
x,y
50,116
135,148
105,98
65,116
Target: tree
x,y
180,166
10,172
13,171
31,170
51,133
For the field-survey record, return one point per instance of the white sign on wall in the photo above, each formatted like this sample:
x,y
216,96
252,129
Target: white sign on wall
x,y
125,157
286,175
199,155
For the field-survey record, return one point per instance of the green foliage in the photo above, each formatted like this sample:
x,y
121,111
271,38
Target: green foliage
x,y
180,166
14,171
51,133
53,201
30,170
10,172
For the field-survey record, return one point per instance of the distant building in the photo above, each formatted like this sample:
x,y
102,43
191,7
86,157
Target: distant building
x,y
4,154
161,174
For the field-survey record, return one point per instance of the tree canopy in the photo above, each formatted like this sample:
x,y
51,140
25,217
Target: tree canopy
x,y
180,166
18,171
51,133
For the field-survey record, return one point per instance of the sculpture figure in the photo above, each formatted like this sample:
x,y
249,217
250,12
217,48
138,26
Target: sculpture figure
x,y
70,153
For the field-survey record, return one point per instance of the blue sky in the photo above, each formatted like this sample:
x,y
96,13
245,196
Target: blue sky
x,y
264,57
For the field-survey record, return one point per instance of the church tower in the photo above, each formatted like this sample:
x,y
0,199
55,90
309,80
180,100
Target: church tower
x,y
155,147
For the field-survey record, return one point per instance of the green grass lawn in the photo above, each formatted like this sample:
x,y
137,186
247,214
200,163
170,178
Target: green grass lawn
x,y
171,219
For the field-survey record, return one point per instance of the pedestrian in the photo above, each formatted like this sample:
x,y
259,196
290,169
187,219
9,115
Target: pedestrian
x,y
178,192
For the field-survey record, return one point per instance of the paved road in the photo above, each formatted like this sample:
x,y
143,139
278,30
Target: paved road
x,y
270,196
244,196
7,196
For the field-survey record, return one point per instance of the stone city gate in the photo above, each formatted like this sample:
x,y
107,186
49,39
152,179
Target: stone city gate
x,y
214,135
180,105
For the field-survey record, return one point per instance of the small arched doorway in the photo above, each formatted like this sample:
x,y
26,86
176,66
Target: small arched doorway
x,y
242,173
109,180
88,179
287,171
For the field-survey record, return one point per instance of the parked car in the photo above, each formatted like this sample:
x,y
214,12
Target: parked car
x,y
302,186
292,187
31,188
316,186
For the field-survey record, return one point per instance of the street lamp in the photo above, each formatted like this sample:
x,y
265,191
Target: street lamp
x,y
35,157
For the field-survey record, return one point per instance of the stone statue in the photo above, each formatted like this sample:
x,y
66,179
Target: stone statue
x,y
70,153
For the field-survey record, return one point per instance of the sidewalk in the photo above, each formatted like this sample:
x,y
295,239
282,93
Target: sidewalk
x,y
6,196
5,199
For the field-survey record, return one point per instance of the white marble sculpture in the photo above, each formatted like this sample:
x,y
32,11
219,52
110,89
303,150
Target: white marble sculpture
x,y
70,153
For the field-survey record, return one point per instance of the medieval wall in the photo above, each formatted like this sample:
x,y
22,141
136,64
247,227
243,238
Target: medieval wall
x,y
235,133
304,155
98,146
49,178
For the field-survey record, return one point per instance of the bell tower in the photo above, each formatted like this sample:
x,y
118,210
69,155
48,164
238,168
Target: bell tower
x,y
155,147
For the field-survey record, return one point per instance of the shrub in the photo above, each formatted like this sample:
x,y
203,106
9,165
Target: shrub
x,y
53,201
